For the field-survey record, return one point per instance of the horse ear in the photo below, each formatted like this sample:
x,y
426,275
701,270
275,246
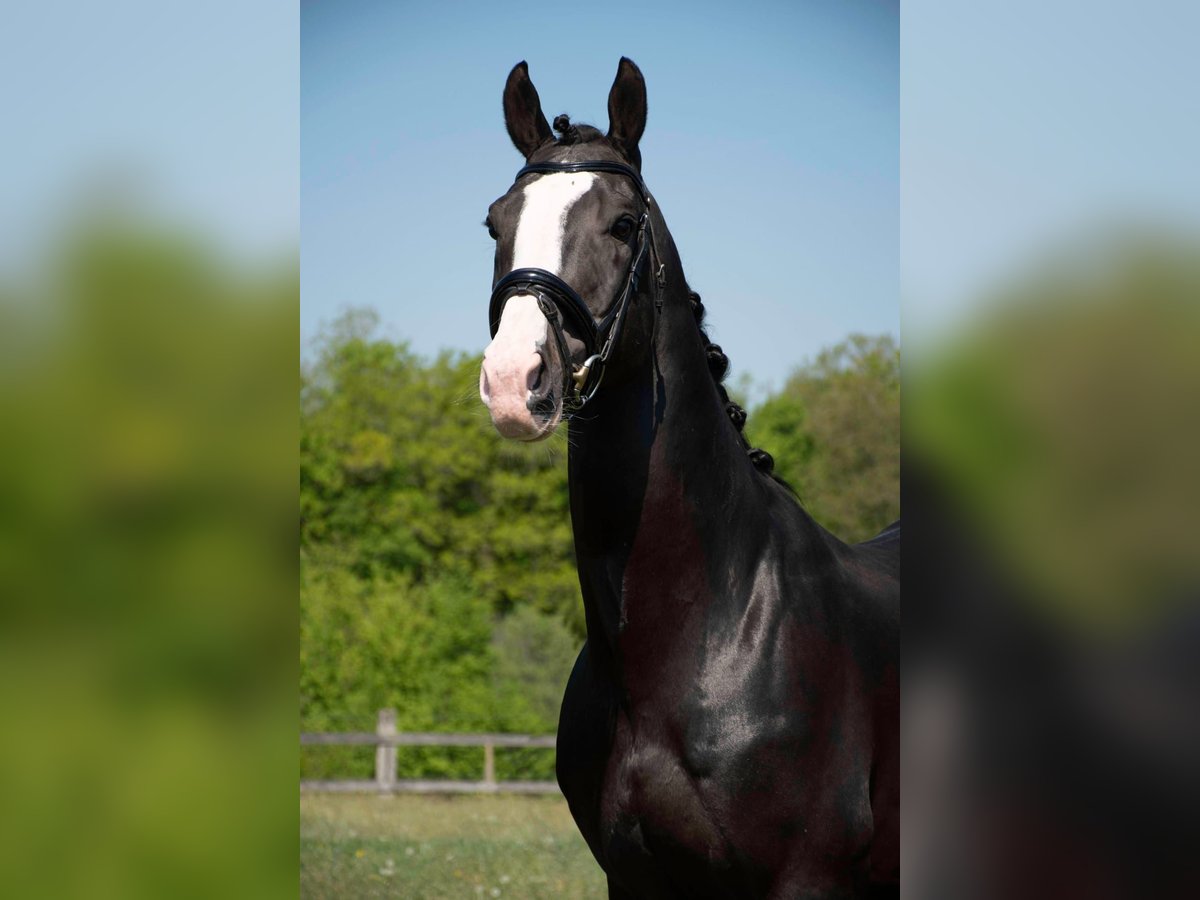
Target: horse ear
x,y
523,116
627,110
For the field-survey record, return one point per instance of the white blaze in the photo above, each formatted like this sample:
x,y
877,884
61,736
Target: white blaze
x,y
539,241
511,362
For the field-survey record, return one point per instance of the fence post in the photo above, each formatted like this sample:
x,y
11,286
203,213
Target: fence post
x,y
489,763
385,756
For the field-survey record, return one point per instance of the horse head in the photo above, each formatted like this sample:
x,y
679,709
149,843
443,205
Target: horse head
x,y
575,257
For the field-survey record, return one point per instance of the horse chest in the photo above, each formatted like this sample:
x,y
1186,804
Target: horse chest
x,y
655,818
727,780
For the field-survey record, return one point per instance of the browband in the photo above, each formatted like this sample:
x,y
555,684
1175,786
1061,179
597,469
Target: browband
x,y
593,165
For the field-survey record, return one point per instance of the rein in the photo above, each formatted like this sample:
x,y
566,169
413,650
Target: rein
x,y
558,301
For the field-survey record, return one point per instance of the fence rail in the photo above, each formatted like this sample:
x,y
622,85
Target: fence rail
x,y
386,739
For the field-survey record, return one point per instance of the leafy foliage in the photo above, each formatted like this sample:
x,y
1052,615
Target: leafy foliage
x,y
834,431
420,529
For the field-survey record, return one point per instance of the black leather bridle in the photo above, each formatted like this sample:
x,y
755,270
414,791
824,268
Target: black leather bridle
x,y
558,301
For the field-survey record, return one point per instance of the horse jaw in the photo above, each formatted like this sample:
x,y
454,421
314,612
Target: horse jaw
x,y
520,380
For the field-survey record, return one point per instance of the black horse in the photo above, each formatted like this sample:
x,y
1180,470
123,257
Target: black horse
x,y
731,726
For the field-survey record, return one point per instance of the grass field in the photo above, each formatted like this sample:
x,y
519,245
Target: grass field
x,y
412,846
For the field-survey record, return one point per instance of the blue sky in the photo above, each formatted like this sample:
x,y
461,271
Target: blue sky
x,y
772,147
1029,127
190,111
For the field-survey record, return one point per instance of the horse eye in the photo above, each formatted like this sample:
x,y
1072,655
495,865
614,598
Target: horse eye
x,y
487,223
622,229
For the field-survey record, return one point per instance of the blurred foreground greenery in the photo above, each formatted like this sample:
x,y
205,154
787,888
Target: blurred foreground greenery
x,y
1052,625
1063,421
147,565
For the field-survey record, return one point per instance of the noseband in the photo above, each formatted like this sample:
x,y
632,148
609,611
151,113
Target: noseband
x,y
558,301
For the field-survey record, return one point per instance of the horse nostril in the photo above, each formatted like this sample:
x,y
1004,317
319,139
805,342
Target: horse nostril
x,y
485,392
541,400
537,378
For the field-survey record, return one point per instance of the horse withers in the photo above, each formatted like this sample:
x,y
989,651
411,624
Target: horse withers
x,y
731,727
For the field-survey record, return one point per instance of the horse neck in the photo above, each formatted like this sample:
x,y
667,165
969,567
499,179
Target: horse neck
x,y
656,470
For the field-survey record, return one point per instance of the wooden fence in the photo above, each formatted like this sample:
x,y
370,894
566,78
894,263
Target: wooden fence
x,y
386,739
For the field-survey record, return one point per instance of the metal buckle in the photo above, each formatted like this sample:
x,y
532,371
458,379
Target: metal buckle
x,y
582,371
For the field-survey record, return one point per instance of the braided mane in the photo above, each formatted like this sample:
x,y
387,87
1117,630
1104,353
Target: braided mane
x,y
570,133
718,365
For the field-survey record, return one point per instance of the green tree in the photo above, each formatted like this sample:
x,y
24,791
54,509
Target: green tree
x,y
401,472
424,650
421,533
834,430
